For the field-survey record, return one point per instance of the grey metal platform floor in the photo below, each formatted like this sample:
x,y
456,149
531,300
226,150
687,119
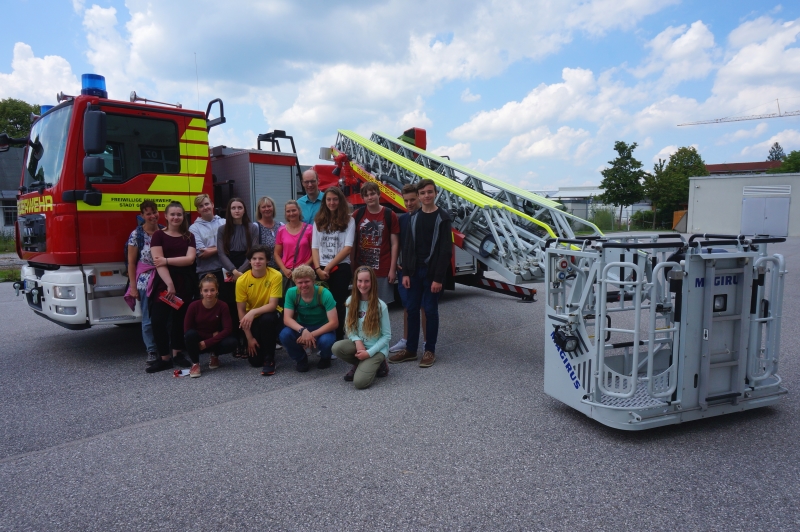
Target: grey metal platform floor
x,y
91,442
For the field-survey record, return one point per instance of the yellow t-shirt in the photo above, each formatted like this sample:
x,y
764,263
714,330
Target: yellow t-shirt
x,y
257,291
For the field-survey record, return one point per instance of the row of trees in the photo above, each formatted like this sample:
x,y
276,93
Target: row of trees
x,y
667,186
789,163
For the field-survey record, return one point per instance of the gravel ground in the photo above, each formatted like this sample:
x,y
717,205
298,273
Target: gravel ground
x,y
91,442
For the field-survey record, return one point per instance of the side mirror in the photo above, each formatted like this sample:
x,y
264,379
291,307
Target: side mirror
x,y
94,132
93,166
216,121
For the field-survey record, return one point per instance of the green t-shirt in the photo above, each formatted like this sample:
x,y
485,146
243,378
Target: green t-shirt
x,y
313,313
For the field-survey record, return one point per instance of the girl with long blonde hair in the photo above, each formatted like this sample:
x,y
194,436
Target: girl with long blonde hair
x,y
367,329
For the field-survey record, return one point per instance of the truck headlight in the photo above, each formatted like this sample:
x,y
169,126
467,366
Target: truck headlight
x,y
64,292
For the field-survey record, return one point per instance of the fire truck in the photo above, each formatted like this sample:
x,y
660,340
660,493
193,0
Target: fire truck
x,y
640,331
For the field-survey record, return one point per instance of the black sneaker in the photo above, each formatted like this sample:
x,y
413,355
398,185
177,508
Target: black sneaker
x,y
268,369
152,357
180,361
159,365
302,365
350,374
383,371
324,363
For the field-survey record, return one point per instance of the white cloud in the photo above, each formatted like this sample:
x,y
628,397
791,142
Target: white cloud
x,y
37,79
665,153
457,152
108,52
78,6
789,139
540,142
467,96
680,54
742,134
602,15
647,142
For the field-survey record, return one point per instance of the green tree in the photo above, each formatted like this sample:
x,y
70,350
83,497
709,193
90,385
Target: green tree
x,y
622,183
655,186
682,165
776,153
15,117
791,163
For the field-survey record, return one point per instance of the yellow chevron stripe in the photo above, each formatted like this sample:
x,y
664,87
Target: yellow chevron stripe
x,y
195,167
131,202
194,134
176,183
198,122
195,150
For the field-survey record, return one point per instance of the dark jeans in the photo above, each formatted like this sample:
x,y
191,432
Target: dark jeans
x,y
227,293
297,352
167,325
418,296
192,340
339,286
265,331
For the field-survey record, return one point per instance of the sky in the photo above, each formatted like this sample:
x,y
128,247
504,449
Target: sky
x,y
532,92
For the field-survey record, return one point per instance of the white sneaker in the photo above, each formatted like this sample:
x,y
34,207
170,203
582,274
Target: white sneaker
x,y
333,357
278,347
399,346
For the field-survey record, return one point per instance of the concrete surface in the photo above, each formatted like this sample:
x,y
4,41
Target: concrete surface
x,y
91,442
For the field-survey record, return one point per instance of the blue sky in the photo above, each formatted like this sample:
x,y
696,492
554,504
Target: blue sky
x,y
533,92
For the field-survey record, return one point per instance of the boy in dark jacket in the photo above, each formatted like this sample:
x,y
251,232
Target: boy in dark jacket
x,y
426,254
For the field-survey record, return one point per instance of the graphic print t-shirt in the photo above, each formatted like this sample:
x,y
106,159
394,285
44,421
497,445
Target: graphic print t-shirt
x,y
374,241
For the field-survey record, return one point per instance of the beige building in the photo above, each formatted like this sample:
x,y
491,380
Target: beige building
x,y
744,204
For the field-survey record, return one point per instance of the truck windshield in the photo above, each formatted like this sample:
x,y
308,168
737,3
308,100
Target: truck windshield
x,y
48,143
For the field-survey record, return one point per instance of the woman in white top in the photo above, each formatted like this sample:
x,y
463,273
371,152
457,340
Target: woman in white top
x,y
331,242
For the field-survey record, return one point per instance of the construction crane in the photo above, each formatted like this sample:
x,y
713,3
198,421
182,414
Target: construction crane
x,y
779,114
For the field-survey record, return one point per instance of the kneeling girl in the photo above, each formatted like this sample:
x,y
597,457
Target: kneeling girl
x,y
367,329
208,326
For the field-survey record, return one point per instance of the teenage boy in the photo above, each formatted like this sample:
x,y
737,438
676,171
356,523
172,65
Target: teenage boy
x,y
204,230
411,199
310,320
311,202
257,293
377,240
427,251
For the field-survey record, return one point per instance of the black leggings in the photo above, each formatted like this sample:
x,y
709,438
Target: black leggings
x,y
167,326
265,331
339,286
192,340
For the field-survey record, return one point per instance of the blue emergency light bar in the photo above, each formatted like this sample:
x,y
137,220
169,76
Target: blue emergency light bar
x,y
44,108
93,85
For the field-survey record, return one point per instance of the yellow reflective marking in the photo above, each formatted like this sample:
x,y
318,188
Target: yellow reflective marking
x,y
194,134
195,150
34,204
131,202
176,183
198,122
397,198
194,166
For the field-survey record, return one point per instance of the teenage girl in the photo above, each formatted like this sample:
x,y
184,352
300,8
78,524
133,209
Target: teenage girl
x,y
331,243
208,326
234,240
368,331
173,251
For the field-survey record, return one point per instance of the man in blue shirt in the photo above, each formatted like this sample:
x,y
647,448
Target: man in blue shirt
x,y
311,202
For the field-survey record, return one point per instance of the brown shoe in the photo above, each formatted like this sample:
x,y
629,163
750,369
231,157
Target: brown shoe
x,y
427,359
402,356
213,363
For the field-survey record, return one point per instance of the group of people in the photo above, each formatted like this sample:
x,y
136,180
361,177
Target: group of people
x,y
267,285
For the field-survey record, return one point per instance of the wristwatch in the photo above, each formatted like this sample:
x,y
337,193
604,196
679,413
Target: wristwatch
x,y
300,332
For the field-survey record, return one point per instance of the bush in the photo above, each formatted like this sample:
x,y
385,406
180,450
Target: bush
x,y
643,220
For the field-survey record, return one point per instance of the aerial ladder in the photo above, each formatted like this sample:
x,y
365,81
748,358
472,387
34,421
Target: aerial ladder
x,y
640,331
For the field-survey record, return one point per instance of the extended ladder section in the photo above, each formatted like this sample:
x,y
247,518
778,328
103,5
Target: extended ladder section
x,y
505,238
656,330
563,224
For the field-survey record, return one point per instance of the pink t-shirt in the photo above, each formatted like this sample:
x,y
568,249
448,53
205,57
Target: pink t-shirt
x,y
289,243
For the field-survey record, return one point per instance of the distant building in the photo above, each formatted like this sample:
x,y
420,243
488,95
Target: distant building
x,y
742,168
10,171
583,202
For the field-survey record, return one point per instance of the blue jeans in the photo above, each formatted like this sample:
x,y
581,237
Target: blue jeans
x,y
418,296
147,327
297,352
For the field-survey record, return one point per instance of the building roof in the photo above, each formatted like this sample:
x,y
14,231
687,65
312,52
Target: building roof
x,y
11,168
577,192
742,168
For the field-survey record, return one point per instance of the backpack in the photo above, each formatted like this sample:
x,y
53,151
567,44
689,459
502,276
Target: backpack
x,y
358,215
139,244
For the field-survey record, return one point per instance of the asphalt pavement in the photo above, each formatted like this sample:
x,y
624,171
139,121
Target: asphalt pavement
x,y
90,441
